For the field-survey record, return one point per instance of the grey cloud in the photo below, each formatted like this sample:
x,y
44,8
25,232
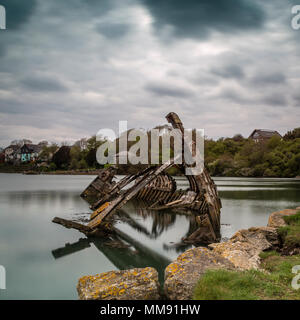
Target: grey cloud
x,y
32,106
296,99
235,96
197,18
113,30
46,84
274,78
275,99
95,8
230,71
2,50
13,106
60,78
160,89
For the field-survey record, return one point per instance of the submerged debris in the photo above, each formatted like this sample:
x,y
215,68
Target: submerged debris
x,y
159,189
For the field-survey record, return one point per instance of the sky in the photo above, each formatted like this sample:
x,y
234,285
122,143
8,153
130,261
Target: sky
x,y
70,68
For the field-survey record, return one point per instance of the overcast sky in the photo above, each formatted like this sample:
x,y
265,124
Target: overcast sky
x,y
69,68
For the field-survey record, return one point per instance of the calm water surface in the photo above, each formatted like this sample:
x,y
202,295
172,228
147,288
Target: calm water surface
x,y
44,260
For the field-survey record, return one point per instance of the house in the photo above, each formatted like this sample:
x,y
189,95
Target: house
x,y
11,153
30,152
259,135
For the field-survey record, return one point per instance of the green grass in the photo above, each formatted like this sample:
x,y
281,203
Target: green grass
x,y
274,284
293,219
290,234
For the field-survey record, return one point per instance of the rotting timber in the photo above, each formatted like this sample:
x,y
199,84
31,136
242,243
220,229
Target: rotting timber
x,y
159,189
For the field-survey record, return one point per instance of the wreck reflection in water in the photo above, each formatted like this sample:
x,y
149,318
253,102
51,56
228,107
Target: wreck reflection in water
x,y
27,236
138,229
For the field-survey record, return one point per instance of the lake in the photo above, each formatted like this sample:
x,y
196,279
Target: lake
x,y
44,260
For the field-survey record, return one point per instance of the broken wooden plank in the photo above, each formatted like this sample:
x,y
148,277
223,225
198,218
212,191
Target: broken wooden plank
x,y
130,193
115,190
72,225
202,182
101,185
89,232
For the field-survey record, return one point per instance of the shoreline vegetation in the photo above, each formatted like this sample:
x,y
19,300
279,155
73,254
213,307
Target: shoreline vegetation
x,y
226,157
272,283
94,172
32,171
259,263
273,279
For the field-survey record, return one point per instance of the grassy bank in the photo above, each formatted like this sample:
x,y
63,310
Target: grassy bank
x,y
290,234
274,284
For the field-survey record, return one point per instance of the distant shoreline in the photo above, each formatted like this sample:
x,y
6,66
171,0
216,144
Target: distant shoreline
x,y
71,173
95,172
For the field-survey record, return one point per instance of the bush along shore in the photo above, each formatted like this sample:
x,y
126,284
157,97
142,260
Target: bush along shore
x,y
226,157
255,263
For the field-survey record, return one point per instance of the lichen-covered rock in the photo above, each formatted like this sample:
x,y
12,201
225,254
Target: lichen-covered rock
x,y
133,284
182,275
276,218
262,238
244,246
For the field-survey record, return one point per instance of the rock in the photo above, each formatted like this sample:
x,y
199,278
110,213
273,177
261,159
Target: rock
x,y
182,275
275,219
133,284
262,238
244,246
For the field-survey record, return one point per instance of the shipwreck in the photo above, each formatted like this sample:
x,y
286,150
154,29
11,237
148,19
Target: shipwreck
x,y
159,190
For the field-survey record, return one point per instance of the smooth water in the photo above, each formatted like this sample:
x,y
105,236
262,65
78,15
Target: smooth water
x,y
44,260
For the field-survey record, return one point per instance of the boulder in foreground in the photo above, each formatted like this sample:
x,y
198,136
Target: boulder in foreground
x,y
245,245
133,284
182,275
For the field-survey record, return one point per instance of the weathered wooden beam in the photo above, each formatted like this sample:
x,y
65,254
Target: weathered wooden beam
x,y
72,225
89,232
114,191
130,193
202,182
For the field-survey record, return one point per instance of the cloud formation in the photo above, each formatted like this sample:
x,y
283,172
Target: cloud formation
x,y
194,18
69,68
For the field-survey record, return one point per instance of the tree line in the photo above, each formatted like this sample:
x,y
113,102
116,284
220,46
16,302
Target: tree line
x,y
227,157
